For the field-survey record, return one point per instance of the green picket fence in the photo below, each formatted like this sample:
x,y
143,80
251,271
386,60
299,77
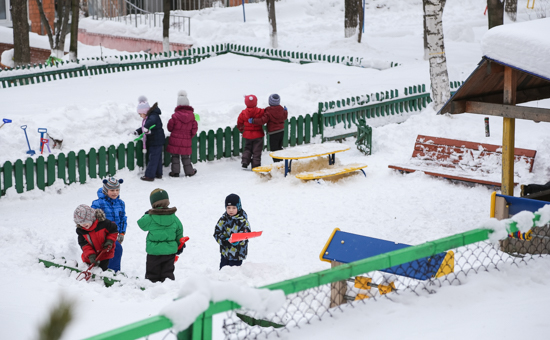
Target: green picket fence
x,y
473,252
106,161
39,73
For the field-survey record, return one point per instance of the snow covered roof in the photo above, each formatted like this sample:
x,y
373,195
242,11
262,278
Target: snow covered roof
x,y
523,45
524,48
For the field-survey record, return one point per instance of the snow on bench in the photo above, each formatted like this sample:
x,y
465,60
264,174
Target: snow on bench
x,y
464,161
332,171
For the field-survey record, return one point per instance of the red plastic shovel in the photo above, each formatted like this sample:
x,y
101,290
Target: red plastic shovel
x,y
87,275
237,237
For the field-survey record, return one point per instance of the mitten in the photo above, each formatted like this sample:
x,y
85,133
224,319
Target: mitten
x,y
92,258
180,250
251,120
285,108
120,237
108,245
145,130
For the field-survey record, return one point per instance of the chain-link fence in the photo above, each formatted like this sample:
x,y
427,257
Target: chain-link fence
x,y
417,277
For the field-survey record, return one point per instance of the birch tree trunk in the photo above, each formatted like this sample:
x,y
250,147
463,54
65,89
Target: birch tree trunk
x,y
352,16
495,12
21,46
441,92
272,23
61,28
511,9
73,49
426,50
166,26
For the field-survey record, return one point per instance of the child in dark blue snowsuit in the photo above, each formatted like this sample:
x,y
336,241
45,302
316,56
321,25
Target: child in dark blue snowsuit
x,y
115,210
234,220
153,138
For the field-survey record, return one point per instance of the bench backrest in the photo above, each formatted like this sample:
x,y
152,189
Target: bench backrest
x,y
453,153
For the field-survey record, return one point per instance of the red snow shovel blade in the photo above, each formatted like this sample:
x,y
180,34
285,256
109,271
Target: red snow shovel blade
x,y
237,237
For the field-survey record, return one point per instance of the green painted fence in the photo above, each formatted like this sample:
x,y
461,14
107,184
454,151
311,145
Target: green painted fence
x,y
202,327
39,73
44,171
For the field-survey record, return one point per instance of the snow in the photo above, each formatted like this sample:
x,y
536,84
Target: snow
x,y
524,45
296,217
197,292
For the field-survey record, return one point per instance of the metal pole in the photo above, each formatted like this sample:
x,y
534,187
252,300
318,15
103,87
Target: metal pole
x,y
244,16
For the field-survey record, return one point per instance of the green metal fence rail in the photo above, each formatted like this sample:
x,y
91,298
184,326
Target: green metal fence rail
x,y
44,171
380,104
202,327
39,73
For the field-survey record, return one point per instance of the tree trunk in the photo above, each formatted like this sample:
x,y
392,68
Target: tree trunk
x,y
511,9
272,23
361,20
433,12
61,28
351,22
21,50
166,26
73,49
426,50
495,12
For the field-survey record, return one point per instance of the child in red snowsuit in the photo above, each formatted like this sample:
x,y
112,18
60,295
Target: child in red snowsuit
x,y
275,117
253,134
96,235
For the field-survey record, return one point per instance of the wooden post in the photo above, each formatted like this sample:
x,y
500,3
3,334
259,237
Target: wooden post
x,y
337,289
508,134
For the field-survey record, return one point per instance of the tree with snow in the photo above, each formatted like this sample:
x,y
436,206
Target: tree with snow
x,y
272,23
511,9
495,12
22,50
166,26
353,21
60,27
73,49
433,14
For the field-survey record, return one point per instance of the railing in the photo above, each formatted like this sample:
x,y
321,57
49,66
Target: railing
x,y
37,73
312,296
132,13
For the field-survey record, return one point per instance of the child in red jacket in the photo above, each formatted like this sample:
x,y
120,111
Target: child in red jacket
x,y
96,235
183,127
253,134
275,116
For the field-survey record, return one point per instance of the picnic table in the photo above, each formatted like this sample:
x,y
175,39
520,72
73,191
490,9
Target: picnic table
x,y
309,151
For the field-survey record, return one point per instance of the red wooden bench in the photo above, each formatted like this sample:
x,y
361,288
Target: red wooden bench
x,y
463,160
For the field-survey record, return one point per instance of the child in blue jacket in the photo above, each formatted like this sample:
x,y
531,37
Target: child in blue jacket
x,y
115,210
234,220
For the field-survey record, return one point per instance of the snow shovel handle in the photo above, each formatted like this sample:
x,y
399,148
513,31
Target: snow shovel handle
x,y
87,275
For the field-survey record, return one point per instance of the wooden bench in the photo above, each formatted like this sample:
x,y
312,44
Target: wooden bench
x,y
463,160
332,171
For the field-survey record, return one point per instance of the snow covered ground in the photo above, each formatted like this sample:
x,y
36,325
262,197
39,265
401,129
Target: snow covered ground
x,y
296,217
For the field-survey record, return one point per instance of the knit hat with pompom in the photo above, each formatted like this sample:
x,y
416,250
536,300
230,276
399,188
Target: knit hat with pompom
x,y
143,105
182,98
250,100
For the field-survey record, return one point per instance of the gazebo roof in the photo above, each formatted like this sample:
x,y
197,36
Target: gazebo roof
x,y
525,48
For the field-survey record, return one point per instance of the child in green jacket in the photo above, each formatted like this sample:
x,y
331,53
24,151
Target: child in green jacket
x,y
165,232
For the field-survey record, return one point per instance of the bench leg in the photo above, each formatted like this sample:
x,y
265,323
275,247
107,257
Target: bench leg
x,y
288,165
331,159
363,171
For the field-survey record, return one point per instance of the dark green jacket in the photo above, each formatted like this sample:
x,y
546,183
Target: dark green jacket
x,y
164,231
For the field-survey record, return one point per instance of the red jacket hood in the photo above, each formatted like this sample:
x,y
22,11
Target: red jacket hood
x,y
184,114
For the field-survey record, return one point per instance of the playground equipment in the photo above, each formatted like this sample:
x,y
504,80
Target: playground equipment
x,y
44,141
534,241
343,247
6,121
532,4
30,152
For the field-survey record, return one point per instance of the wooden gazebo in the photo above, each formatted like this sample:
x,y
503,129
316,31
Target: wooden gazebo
x,y
494,89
